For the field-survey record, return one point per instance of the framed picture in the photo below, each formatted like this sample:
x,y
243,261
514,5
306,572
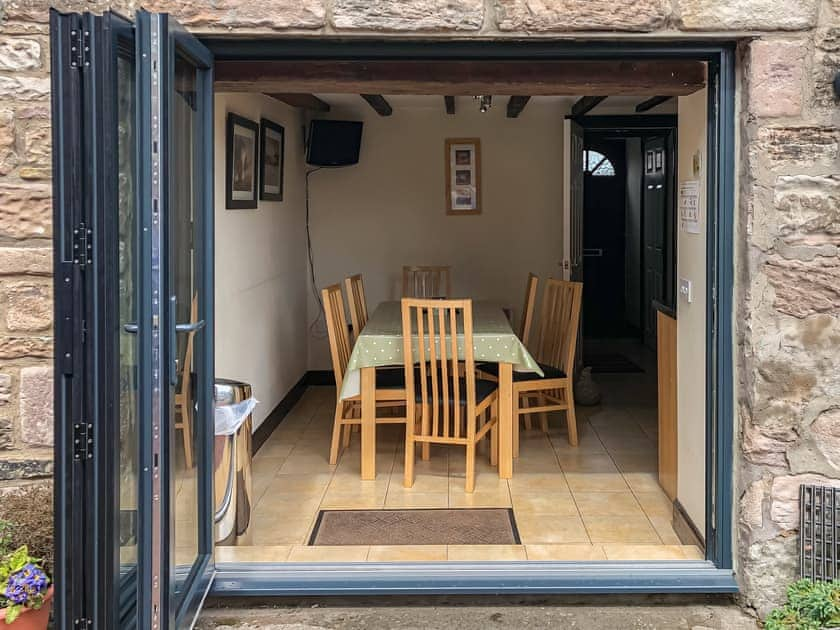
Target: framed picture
x,y
241,163
272,138
463,176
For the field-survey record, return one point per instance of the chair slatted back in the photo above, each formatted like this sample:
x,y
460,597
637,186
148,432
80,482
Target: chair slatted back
x,y
431,330
559,320
336,330
355,288
426,282
528,309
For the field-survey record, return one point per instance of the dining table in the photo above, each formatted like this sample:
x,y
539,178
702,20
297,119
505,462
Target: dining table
x,y
380,344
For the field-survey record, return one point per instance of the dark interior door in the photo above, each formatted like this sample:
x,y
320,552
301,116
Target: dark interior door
x,y
655,195
604,237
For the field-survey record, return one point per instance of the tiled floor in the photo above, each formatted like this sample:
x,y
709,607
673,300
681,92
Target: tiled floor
x,y
598,501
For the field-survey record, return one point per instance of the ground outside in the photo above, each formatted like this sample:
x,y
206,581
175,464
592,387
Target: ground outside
x,y
604,612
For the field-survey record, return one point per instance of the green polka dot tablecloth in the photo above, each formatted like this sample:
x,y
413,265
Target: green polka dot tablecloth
x,y
381,344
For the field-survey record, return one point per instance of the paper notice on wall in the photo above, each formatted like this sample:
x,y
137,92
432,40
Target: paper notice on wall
x,y
690,206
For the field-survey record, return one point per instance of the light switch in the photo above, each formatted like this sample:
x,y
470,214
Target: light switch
x,y
685,290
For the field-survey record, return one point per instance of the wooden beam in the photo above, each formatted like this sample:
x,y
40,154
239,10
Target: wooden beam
x,y
586,104
303,101
652,102
457,78
450,104
516,104
379,104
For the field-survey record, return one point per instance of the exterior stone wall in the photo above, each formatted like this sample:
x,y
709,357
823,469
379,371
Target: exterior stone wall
x,y
788,222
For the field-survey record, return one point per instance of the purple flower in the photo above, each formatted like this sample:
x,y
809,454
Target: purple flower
x,y
26,585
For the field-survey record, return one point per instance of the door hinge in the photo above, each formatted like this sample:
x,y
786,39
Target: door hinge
x,y
82,245
82,441
79,47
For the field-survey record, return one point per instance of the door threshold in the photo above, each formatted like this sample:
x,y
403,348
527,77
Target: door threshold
x,y
470,578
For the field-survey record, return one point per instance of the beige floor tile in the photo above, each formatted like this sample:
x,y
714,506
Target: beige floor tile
x,y
663,527
253,553
306,462
643,482
643,552
424,483
300,483
267,465
276,505
458,498
485,482
304,553
416,500
550,528
492,553
544,464
656,504
570,553
275,448
636,462
621,529
560,503
587,463
288,531
367,500
407,553
593,504
347,483
534,483
693,552
596,482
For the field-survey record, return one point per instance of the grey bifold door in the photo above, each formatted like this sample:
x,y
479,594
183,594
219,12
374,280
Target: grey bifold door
x,y
133,210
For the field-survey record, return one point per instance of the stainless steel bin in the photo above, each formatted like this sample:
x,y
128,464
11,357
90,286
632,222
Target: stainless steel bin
x,y
232,484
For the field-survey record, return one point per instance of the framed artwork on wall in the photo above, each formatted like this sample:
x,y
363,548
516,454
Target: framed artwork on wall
x,y
241,163
272,137
463,176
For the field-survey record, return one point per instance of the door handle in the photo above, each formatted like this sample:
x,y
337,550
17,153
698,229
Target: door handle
x,y
131,328
181,328
173,337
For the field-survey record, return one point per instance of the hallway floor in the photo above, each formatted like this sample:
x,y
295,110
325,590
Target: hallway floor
x,y
598,501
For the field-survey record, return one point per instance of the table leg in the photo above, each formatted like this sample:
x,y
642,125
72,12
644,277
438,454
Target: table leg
x,y
505,420
368,423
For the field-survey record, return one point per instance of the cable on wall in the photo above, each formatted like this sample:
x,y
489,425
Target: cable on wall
x,y
316,295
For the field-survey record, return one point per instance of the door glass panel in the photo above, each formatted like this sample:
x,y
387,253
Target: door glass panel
x,y
183,255
128,340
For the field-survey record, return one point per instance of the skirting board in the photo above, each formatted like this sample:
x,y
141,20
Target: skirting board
x,y
685,528
313,377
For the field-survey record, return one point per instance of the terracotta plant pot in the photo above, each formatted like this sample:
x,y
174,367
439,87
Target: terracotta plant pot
x,y
30,619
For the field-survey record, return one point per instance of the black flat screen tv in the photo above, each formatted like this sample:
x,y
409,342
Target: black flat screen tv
x,y
334,143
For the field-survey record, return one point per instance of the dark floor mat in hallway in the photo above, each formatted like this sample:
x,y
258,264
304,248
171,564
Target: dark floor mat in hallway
x,y
612,363
483,526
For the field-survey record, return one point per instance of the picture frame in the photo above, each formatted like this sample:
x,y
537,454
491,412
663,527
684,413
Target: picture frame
x,y
241,159
463,176
272,141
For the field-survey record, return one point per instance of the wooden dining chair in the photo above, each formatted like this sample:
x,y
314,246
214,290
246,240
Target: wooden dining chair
x,y
490,371
354,286
390,387
426,282
555,353
528,309
184,407
449,405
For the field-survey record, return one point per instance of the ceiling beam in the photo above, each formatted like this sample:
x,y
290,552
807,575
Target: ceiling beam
x,y
450,104
462,78
379,104
303,101
651,103
516,104
586,104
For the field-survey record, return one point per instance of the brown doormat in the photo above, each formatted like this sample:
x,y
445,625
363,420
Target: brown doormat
x,y
482,526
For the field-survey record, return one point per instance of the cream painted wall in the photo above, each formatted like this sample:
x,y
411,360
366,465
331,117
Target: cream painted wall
x,y
691,321
260,268
389,210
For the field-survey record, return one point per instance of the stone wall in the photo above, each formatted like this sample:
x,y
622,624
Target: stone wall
x,y
788,223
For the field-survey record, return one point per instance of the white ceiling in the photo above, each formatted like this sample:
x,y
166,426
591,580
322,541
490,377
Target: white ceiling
x,y
612,105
